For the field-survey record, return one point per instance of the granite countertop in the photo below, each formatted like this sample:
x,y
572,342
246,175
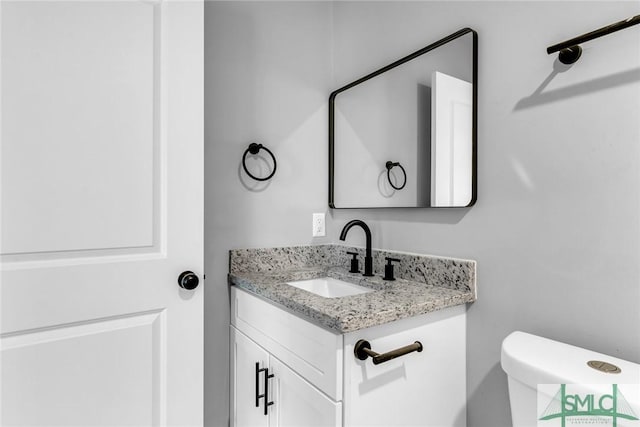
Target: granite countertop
x,y
423,284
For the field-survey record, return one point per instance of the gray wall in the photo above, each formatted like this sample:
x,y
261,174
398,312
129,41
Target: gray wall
x,y
267,79
555,230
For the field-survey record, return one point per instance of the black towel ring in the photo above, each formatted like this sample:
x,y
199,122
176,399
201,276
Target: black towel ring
x,y
254,149
391,165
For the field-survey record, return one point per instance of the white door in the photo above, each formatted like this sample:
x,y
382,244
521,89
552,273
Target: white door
x,y
451,141
101,209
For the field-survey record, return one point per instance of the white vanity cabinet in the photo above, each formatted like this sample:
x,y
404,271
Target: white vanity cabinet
x,y
304,359
318,381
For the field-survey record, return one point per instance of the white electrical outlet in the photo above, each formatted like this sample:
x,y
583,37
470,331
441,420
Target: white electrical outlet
x,y
318,225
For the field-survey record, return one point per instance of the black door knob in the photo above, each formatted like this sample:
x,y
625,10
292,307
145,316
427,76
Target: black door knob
x,y
188,280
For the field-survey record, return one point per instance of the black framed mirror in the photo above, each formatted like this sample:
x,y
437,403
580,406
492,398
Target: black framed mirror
x,y
406,134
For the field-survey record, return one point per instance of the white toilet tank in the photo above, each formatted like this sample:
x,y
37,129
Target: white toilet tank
x,y
530,360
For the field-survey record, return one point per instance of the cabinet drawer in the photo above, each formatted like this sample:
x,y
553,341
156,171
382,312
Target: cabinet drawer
x,y
313,352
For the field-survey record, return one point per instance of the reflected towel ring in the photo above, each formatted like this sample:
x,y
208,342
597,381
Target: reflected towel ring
x,y
254,149
391,165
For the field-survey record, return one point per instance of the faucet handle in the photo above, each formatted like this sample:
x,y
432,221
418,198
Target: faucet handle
x,y
354,262
388,269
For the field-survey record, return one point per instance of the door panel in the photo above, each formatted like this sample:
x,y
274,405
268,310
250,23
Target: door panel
x,y
101,205
114,353
79,127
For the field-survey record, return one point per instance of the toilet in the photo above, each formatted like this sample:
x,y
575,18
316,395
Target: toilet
x,y
530,360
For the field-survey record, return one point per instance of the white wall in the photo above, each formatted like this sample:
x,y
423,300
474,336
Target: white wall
x,y
555,230
266,80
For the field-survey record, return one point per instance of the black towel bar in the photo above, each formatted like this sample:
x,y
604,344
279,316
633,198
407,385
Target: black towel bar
x,y
362,350
570,50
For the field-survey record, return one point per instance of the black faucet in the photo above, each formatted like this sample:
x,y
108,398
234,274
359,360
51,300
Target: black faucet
x,y
368,260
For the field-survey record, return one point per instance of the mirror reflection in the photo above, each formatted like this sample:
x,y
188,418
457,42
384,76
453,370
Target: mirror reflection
x,y
405,135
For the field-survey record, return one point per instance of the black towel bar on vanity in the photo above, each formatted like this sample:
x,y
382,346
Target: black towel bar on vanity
x,y
362,350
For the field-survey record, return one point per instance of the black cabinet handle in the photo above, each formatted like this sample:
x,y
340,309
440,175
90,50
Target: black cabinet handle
x,y
267,375
362,350
258,395
265,395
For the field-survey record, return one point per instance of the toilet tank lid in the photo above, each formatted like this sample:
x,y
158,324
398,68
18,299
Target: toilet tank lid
x,y
535,360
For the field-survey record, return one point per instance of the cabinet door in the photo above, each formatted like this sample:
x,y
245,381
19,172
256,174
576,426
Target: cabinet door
x,y
297,403
246,383
426,388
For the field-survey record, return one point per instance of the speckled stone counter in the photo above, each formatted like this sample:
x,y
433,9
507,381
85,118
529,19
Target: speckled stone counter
x,y
423,283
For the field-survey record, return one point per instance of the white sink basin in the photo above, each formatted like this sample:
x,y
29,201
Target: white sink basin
x,y
328,287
